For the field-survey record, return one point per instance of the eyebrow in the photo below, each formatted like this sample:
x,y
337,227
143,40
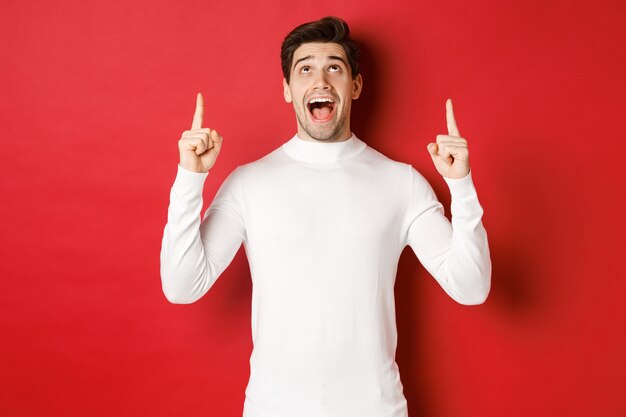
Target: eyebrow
x,y
332,57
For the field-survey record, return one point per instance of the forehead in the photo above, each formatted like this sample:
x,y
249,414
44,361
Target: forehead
x,y
318,50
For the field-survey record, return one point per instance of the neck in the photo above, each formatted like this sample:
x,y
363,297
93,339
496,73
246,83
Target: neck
x,y
317,151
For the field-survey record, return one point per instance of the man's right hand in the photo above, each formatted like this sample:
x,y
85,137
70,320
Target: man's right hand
x,y
199,147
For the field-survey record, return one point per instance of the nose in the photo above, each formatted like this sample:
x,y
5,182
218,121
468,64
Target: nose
x,y
321,82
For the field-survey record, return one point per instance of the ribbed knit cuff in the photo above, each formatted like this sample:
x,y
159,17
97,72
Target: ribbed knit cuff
x,y
189,182
461,187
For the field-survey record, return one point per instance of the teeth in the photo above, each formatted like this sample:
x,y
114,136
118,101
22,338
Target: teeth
x,y
320,100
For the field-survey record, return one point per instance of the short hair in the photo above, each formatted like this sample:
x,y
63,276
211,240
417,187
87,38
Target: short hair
x,y
328,29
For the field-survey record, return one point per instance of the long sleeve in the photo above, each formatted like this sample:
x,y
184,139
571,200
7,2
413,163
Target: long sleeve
x,y
455,253
194,253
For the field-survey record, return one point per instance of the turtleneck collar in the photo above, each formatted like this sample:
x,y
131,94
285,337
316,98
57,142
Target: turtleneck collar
x,y
320,152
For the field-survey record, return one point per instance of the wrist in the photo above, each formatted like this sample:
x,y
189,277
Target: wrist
x,y
192,167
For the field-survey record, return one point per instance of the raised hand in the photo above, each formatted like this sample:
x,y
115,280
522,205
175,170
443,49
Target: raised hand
x,y
450,154
199,147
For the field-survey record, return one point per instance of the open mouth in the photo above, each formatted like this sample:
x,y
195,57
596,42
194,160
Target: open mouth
x,y
321,108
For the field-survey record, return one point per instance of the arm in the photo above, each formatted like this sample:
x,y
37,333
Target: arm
x,y
456,254
195,253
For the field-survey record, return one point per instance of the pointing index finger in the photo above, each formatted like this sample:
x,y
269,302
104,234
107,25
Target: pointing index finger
x,y
453,130
198,116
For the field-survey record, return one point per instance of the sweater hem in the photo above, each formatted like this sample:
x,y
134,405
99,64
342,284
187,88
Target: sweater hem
x,y
400,411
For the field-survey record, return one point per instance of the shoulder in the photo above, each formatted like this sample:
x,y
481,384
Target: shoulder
x,y
266,162
249,175
389,165
405,174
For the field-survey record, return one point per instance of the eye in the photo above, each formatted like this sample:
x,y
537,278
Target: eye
x,y
334,68
305,69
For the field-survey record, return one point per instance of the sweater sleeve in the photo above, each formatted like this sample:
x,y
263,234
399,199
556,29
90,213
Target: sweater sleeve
x,y
193,252
456,254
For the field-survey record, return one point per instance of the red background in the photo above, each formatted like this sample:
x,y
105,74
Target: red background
x,y
96,94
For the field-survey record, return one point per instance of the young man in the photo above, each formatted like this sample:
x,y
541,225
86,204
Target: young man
x,y
323,219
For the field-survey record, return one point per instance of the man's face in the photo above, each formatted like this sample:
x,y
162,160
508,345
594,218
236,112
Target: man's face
x,y
321,89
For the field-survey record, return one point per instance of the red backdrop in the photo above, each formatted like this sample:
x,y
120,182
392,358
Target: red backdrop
x,y
96,94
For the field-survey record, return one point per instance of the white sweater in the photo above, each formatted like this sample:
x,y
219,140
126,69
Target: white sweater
x,y
323,226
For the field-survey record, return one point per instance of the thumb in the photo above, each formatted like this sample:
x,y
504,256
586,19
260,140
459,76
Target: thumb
x,y
217,141
432,149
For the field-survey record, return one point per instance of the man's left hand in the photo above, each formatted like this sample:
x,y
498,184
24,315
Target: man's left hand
x,y
450,154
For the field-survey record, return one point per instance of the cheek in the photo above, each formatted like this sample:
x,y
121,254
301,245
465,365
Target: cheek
x,y
298,97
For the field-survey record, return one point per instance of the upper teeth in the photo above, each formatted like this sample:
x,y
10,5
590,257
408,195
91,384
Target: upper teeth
x,y
320,100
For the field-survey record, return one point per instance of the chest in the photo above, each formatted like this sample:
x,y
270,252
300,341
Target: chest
x,y
324,206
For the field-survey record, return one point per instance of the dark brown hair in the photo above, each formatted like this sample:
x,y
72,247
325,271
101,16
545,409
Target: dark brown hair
x,y
328,29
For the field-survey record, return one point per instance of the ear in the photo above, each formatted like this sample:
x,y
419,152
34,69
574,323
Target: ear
x,y
357,86
286,91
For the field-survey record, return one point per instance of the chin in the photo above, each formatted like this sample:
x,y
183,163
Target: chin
x,y
324,134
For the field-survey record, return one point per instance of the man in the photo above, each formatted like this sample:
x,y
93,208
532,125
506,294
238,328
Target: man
x,y
323,219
